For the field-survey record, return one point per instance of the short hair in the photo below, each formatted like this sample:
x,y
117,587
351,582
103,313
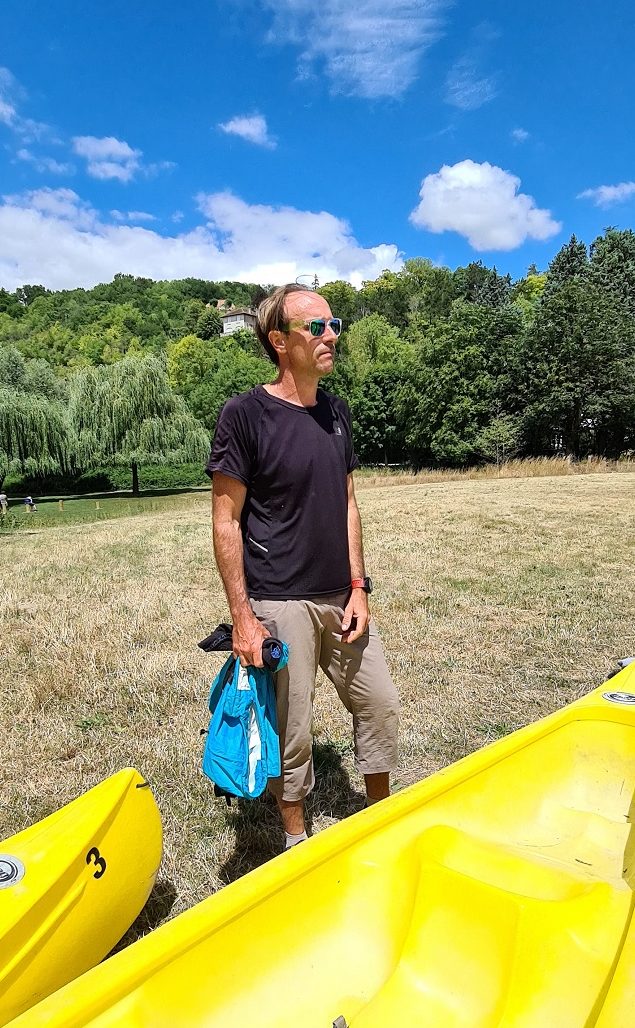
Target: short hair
x,y
271,316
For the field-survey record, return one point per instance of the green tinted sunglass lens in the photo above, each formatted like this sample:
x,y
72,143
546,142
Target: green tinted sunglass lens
x,y
336,326
317,327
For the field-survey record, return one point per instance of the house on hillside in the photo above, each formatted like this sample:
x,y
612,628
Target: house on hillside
x,y
238,317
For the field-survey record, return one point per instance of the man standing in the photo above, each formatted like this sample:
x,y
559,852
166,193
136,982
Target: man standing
x,y
288,545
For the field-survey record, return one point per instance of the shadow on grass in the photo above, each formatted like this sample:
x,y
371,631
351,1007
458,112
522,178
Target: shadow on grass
x,y
159,904
259,835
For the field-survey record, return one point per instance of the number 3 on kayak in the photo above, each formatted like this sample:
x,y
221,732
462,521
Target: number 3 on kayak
x,y
95,857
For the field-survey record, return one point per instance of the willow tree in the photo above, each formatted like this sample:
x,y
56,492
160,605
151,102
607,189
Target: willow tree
x,y
127,414
34,434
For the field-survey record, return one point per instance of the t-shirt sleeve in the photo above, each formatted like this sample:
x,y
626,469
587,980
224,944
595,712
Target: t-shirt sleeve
x,y
232,449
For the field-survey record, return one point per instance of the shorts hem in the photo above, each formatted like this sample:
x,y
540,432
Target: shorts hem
x,y
375,770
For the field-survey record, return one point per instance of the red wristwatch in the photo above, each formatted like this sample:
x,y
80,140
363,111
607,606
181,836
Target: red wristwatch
x,y
363,583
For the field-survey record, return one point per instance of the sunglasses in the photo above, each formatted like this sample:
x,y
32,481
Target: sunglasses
x,y
317,326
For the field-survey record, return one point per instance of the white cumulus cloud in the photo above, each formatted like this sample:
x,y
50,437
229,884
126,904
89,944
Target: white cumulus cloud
x,y
54,237
250,127
61,205
482,203
110,158
606,196
371,48
286,242
107,157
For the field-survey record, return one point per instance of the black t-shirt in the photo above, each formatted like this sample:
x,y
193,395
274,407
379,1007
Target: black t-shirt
x,y
294,462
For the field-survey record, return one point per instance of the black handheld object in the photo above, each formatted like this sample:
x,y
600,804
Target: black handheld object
x,y
221,640
271,653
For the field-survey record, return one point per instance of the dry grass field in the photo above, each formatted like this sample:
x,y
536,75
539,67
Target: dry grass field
x,y
499,600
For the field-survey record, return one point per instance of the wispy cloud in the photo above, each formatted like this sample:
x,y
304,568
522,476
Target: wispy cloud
x,y
11,96
8,113
9,90
520,135
32,131
467,85
44,164
110,158
482,203
106,157
370,49
150,170
606,196
123,216
466,88
250,127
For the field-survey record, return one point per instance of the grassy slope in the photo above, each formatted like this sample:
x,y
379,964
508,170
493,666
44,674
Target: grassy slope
x,y
498,600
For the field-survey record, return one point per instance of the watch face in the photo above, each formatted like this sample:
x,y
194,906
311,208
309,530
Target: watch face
x,y
368,585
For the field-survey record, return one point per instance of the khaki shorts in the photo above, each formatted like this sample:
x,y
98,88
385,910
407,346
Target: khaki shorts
x,y
312,631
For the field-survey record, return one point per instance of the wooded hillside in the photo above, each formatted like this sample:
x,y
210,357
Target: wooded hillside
x,y
439,367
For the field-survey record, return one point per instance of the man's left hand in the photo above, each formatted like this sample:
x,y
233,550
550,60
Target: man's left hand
x,y
356,616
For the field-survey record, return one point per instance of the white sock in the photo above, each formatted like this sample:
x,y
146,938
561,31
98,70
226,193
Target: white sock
x,y
293,840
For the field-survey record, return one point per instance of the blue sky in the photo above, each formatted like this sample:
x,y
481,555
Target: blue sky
x,y
265,139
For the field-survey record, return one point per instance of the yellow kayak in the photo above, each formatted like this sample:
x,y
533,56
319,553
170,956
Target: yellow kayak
x,y
71,885
499,891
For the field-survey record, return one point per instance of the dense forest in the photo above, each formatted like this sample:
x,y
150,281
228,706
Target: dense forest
x,y
439,367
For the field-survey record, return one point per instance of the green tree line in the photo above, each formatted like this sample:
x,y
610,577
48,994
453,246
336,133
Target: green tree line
x,y
440,367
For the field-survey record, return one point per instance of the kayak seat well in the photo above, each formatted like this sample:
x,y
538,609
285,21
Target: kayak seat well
x,y
499,935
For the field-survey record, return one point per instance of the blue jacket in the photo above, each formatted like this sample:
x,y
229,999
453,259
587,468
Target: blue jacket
x,y
242,749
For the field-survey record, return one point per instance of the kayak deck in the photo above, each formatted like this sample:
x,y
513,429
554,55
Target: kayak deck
x,y
498,891
81,877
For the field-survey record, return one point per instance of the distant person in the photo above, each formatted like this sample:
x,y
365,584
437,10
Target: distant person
x,y
4,503
288,544
29,505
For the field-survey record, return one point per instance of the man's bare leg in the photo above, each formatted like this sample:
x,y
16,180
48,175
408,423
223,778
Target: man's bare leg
x,y
292,814
377,787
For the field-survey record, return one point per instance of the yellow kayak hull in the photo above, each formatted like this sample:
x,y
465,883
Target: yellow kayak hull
x,y
71,885
498,891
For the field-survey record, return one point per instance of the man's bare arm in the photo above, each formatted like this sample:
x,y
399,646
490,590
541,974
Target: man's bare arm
x,y
356,615
228,498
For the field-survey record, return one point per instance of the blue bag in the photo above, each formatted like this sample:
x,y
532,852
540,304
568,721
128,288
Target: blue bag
x,y
242,749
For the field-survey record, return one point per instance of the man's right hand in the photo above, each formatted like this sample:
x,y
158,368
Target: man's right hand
x,y
247,638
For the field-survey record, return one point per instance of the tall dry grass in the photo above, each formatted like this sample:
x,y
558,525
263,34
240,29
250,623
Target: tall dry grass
x,y
527,467
498,600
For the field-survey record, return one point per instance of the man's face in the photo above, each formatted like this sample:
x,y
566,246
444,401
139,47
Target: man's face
x,y
311,354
